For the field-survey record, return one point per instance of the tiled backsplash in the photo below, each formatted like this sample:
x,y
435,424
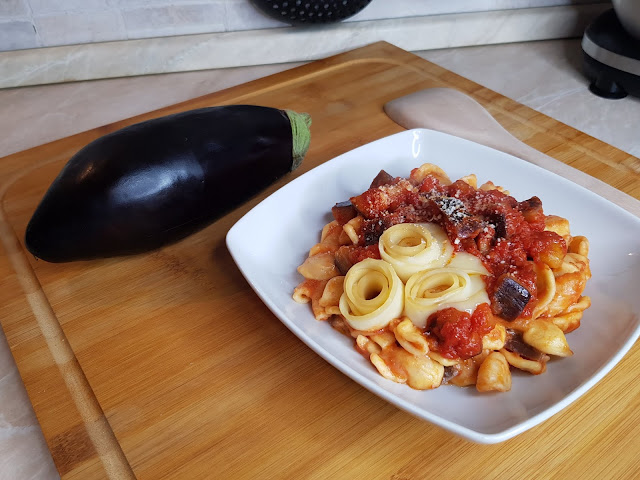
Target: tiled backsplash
x,y
45,23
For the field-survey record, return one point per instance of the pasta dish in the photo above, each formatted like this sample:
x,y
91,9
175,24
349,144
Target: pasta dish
x,y
447,282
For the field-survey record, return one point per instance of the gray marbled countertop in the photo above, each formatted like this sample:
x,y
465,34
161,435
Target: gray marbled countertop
x,y
543,75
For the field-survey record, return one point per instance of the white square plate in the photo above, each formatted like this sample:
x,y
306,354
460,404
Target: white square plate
x,y
274,238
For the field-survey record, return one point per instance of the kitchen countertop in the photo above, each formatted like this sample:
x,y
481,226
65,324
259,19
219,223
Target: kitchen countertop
x,y
543,75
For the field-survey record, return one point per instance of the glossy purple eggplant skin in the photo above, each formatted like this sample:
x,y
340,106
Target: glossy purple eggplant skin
x,y
155,182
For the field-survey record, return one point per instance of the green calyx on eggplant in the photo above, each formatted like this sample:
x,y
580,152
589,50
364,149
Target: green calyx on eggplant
x,y
153,183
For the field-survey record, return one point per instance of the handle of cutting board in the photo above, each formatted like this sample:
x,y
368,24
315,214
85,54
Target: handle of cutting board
x,y
451,111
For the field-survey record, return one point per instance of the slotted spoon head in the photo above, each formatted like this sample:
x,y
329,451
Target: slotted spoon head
x,y
304,12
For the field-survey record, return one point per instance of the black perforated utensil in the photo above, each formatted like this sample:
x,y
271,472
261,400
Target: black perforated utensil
x,y
304,12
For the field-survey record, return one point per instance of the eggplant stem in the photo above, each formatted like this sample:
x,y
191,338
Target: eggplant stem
x,y
301,135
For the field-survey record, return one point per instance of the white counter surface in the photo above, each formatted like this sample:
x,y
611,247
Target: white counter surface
x,y
543,75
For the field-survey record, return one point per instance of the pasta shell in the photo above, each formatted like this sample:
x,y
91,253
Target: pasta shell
x,y
546,286
567,322
417,371
495,339
494,374
366,345
352,229
319,267
420,173
548,338
447,362
525,364
411,338
579,245
559,225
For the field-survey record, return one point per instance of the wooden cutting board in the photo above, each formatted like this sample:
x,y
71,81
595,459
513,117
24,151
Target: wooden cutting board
x,y
167,365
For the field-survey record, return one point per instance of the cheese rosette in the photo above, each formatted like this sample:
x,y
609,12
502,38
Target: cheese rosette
x,y
373,295
458,285
469,263
413,247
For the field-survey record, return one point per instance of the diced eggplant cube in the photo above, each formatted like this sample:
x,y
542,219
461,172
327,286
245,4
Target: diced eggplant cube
x,y
516,344
383,178
509,299
499,221
343,212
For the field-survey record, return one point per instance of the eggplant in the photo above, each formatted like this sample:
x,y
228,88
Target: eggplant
x,y
509,298
456,218
383,178
153,183
516,344
343,212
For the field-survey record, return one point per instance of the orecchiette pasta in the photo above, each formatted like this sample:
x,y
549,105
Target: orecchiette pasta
x,y
556,224
546,287
495,339
352,227
465,373
494,374
417,371
311,291
532,366
447,362
321,266
579,245
548,338
383,339
366,345
470,180
428,169
441,281
569,320
411,338
330,298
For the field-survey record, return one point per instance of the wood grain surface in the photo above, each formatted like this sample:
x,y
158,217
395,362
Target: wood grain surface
x,y
167,365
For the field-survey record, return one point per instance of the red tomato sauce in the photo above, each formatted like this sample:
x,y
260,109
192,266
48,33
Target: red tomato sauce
x,y
459,334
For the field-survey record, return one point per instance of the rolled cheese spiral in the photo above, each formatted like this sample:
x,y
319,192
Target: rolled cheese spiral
x,y
412,247
468,263
373,295
428,291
